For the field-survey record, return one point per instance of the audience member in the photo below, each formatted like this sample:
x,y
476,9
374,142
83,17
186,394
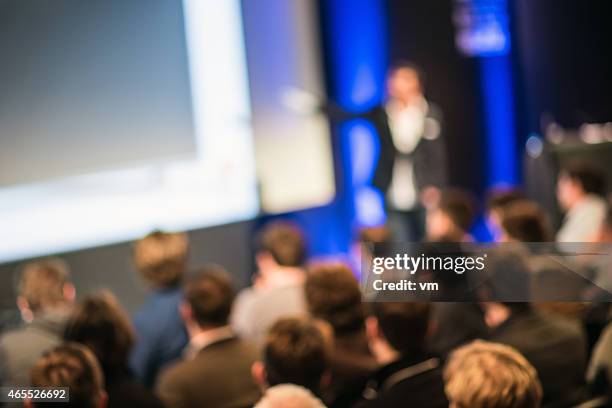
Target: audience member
x,y
369,240
497,200
73,366
289,396
101,324
553,278
524,221
278,288
333,295
453,323
555,346
161,259
397,335
216,367
45,296
579,190
489,375
296,351
452,218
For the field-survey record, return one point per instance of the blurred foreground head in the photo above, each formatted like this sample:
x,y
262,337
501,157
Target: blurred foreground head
x,y
398,327
74,366
100,322
577,180
280,244
43,286
289,396
497,200
296,351
209,295
490,375
161,258
524,221
333,295
451,220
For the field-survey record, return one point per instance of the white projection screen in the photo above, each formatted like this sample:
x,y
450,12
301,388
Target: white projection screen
x,y
120,117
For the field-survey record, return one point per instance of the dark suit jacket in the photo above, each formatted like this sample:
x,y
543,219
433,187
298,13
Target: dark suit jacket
x,y
428,157
556,347
407,382
124,391
219,376
352,364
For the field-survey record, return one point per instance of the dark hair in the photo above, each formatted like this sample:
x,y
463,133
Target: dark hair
x,y
295,351
590,177
409,65
210,294
525,221
284,241
100,323
333,294
404,324
499,198
73,366
459,206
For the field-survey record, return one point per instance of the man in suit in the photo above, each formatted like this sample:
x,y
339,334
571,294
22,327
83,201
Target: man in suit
x,y
216,368
45,299
555,346
411,168
296,351
397,333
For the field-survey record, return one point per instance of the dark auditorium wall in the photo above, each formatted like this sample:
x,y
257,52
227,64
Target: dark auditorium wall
x,y
422,31
565,59
111,266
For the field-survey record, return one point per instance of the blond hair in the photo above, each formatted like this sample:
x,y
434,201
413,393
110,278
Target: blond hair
x,y
489,375
161,258
42,283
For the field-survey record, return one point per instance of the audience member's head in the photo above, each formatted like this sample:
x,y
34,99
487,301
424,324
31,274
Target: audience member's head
x,y
43,286
209,295
333,295
161,258
280,246
284,243
397,329
296,351
73,366
524,221
577,180
405,82
367,237
100,323
496,313
491,375
497,200
289,396
452,218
